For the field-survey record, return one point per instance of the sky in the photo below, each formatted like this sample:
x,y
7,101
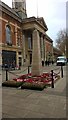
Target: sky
x,y
53,12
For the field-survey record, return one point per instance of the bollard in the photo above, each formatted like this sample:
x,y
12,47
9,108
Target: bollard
x,y
6,68
6,74
28,69
52,79
61,71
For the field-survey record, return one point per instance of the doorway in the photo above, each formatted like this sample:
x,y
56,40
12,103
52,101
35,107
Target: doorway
x,y
9,58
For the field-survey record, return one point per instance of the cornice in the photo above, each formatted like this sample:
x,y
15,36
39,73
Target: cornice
x,y
33,19
9,11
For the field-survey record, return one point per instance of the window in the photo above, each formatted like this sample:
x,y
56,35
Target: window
x,y
29,42
18,41
16,5
19,53
8,35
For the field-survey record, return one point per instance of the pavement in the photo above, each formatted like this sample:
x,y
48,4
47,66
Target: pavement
x,y
23,103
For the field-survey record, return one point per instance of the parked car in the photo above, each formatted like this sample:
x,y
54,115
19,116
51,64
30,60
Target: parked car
x,y
61,60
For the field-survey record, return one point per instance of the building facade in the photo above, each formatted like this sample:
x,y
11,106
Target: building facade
x,y
16,36
49,49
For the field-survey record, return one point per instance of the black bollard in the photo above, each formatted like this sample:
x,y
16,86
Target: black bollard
x,y
28,69
6,68
6,74
52,79
61,71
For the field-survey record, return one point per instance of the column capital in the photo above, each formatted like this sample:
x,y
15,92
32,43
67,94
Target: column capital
x,y
42,35
35,29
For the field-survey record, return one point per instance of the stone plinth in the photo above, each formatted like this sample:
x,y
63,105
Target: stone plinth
x,y
36,54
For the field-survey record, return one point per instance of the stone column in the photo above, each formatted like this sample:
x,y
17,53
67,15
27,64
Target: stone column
x,y
16,33
24,56
42,48
36,56
17,60
45,47
0,57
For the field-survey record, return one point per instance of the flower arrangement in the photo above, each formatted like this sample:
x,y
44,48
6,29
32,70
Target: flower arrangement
x,y
44,78
33,85
31,82
12,83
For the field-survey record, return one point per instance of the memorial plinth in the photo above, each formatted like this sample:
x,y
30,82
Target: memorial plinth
x,y
36,54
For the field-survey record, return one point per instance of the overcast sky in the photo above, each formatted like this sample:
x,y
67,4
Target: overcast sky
x,y
53,12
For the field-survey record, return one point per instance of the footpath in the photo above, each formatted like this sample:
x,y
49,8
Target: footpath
x,y
49,103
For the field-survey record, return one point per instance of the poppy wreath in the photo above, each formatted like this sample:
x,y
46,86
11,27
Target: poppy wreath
x,y
12,83
33,85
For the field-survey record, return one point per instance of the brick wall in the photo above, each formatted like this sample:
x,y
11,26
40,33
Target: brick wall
x,y
6,19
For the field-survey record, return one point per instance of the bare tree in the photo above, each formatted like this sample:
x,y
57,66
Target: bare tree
x,y
61,41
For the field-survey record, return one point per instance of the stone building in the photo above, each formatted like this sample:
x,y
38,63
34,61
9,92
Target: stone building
x,y
17,35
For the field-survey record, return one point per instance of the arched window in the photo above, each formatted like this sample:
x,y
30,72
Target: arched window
x,y
8,35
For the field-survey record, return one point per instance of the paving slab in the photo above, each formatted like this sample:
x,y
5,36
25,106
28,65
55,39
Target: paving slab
x,y
22,103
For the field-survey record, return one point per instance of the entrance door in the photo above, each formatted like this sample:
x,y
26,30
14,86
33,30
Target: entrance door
x,y
9,58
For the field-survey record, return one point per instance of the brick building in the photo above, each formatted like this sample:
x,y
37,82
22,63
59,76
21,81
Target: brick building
x,y
16,35
49,48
